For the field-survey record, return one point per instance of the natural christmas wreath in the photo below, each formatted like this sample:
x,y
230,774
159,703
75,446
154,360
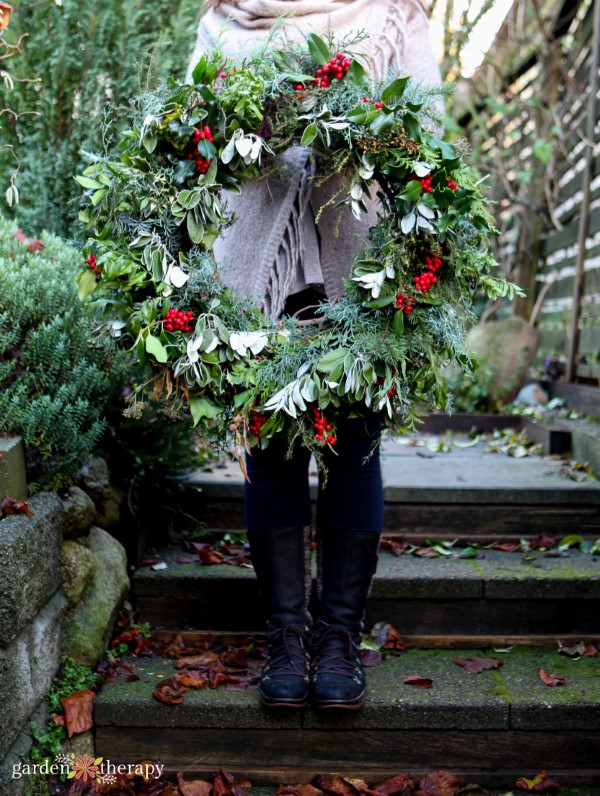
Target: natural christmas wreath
x,y
156,210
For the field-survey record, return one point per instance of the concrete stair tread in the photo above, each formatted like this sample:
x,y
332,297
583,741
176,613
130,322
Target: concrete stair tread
x,y
511,697
414,474
496,575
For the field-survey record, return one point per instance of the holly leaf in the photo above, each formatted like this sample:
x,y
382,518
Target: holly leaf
x,y
318,49
395,90
356,73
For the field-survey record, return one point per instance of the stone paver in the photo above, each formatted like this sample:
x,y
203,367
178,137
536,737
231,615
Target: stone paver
x,y
511,697
414,474
495,575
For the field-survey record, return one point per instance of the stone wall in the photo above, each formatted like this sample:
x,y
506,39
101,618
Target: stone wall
x,y
62,582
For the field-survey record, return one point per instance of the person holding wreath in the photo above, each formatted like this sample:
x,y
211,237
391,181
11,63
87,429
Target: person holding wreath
x,y
289,248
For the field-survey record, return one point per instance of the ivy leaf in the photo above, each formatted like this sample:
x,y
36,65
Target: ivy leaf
x,y
156,348
395,90
204,408
309,135
318,49
86,284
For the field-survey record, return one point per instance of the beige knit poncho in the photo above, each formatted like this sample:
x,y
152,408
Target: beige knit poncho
x,y
274,248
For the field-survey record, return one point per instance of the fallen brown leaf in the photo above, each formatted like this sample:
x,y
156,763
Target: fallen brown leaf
x,y
170,692
550,679
538,784
192,679
478,665
78,709
543,540
337,785
207,658
581,649
298,790
371,657
197,787
439,783
508,547
400,785
9,507
418,681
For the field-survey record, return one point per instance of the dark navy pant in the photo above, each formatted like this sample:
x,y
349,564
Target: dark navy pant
x,y
277,494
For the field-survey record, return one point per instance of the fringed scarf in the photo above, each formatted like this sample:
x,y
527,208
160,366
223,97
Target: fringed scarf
x,y
273,249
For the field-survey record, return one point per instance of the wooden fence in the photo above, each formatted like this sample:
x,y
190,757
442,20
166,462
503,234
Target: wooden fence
x,y
536,136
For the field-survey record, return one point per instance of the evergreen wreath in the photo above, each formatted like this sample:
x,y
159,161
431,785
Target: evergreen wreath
x,y
156,210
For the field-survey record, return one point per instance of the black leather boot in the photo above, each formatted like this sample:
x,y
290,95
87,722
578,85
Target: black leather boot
x,y
348,563
281,560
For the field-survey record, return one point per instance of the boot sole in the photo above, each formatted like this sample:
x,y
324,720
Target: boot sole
x,y
356,705
294,705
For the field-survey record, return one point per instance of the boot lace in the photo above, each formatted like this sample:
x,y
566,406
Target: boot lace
x,y
337,653
287,653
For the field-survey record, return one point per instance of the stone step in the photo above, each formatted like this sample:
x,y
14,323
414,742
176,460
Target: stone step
x,y
490,727
499,594
468,493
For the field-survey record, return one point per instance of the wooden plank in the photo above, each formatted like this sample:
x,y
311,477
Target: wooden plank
x,y
487,755
454,520
455,641
577,396
474,617
568,236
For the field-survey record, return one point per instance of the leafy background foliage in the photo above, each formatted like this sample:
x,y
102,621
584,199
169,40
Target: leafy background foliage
x,y
91,58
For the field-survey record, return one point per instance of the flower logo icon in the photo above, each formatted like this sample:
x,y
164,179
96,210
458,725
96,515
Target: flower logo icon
x,y
85,768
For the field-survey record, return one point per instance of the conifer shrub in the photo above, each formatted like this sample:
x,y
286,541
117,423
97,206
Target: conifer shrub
x,y
54,378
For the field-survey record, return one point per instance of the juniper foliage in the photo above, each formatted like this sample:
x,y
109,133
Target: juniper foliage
x,y
91,57
54,379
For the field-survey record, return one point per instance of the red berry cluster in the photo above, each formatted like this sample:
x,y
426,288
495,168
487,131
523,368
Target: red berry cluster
x,y
257,421
426,184
405,303
178,321
451,184
377,104
322,428
334,70
202,164
425,281
91,261
433,262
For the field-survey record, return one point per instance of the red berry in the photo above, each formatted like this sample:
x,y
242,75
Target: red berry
x,y
223,75
319,72
378,105
340,57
